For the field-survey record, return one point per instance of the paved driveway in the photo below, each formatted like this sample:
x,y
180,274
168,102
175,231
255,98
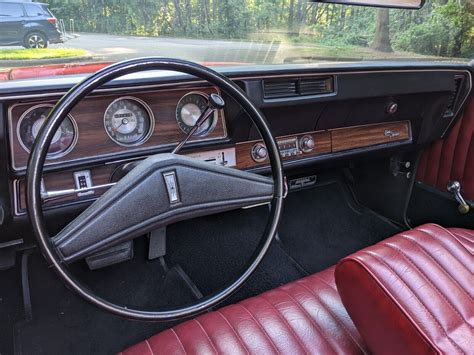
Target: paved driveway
x,y
109,47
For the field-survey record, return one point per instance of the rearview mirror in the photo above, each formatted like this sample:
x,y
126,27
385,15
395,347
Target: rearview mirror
x,y
399,4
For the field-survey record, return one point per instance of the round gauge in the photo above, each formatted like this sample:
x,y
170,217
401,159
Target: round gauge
x,y
129,121
189,109
30,124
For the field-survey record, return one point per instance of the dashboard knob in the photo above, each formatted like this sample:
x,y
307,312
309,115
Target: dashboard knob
x,y
307,143
216,101
259,152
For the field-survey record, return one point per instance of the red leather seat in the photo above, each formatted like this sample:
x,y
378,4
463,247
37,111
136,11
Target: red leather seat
x,y
305,316
410,294
413,293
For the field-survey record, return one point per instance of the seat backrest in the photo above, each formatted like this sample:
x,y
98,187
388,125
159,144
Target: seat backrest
x,y
413,293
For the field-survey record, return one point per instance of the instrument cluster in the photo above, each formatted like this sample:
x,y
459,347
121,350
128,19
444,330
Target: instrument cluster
x,y
128,121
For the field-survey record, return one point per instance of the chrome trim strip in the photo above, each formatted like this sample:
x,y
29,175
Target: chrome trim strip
x,y
53,194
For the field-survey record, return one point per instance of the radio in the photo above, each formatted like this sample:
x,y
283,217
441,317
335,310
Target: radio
x,y
288,147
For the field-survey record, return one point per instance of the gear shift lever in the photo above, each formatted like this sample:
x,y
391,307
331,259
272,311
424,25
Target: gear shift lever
x,y
455,188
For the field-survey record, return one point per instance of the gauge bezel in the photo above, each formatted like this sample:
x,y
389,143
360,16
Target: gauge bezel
x,y
151,129
214,120
54,155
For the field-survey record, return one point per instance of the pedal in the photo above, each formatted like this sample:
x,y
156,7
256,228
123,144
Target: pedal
x,y
455,188
157,246
111,256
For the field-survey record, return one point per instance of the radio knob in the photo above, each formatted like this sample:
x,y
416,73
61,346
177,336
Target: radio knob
x,y
259,152
307,143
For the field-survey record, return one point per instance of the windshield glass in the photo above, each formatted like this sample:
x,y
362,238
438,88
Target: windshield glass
x,y
226,32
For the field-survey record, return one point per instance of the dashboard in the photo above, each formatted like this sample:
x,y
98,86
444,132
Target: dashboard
x,y
318,115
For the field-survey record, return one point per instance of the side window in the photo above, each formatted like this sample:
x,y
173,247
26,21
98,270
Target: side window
x,y
11,10
33,10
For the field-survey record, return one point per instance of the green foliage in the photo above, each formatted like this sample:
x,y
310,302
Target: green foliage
x,y
441,28
37,53
447,32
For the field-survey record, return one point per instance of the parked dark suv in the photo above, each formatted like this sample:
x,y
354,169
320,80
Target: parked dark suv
x,y
29,24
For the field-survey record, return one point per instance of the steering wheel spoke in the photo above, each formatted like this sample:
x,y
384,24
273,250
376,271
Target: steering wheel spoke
x,y
162,189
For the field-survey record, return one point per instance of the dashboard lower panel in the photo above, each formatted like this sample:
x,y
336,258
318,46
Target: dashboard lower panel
x,y
238,156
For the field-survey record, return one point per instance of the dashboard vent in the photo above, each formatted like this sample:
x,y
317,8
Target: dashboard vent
x,y
453,99
297,87
279,88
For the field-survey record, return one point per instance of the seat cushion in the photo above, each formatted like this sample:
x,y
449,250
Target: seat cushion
x,y
413,293
305,316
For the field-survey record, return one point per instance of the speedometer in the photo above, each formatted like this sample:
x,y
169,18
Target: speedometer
x,y
30,124
188,111
129,121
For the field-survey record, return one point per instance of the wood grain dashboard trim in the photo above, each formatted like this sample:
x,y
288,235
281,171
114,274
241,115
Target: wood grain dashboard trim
x,y
369,135
93,140
334,141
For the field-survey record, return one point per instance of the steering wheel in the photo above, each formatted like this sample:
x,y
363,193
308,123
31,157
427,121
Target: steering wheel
x,y
162,189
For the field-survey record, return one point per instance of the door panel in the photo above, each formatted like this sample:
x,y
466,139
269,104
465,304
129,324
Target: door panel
x,y
452,158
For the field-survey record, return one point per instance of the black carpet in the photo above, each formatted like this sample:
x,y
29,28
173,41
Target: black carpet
x,y
10,306
211,250
319,227
323,224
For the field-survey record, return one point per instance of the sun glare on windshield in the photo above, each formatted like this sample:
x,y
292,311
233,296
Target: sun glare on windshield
x,y
230,32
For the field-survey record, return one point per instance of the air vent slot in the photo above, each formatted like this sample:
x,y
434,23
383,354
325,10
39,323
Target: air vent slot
x,y
279,88
454,98
316,86
297,87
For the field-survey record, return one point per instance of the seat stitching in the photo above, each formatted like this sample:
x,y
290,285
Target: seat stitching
x,y
429,281
327,283
447,231
149,347
467,232
338,321
260,326
455,236
444,246
285,321
438,324
423,250
310,318
233,329
463,237
207,335
179,340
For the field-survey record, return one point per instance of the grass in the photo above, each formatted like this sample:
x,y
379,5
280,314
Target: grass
x,y
45,53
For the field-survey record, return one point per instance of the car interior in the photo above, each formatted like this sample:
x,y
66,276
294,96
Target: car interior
x,y
168,207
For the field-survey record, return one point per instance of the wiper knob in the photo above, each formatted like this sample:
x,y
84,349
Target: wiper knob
x,y
216,101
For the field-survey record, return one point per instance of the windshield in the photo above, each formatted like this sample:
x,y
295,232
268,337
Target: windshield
x,y
226,32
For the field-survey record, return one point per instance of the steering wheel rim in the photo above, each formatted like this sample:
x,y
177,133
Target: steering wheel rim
x,y
58,114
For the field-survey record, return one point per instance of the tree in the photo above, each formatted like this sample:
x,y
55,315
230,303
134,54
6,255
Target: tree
x,y
382,32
